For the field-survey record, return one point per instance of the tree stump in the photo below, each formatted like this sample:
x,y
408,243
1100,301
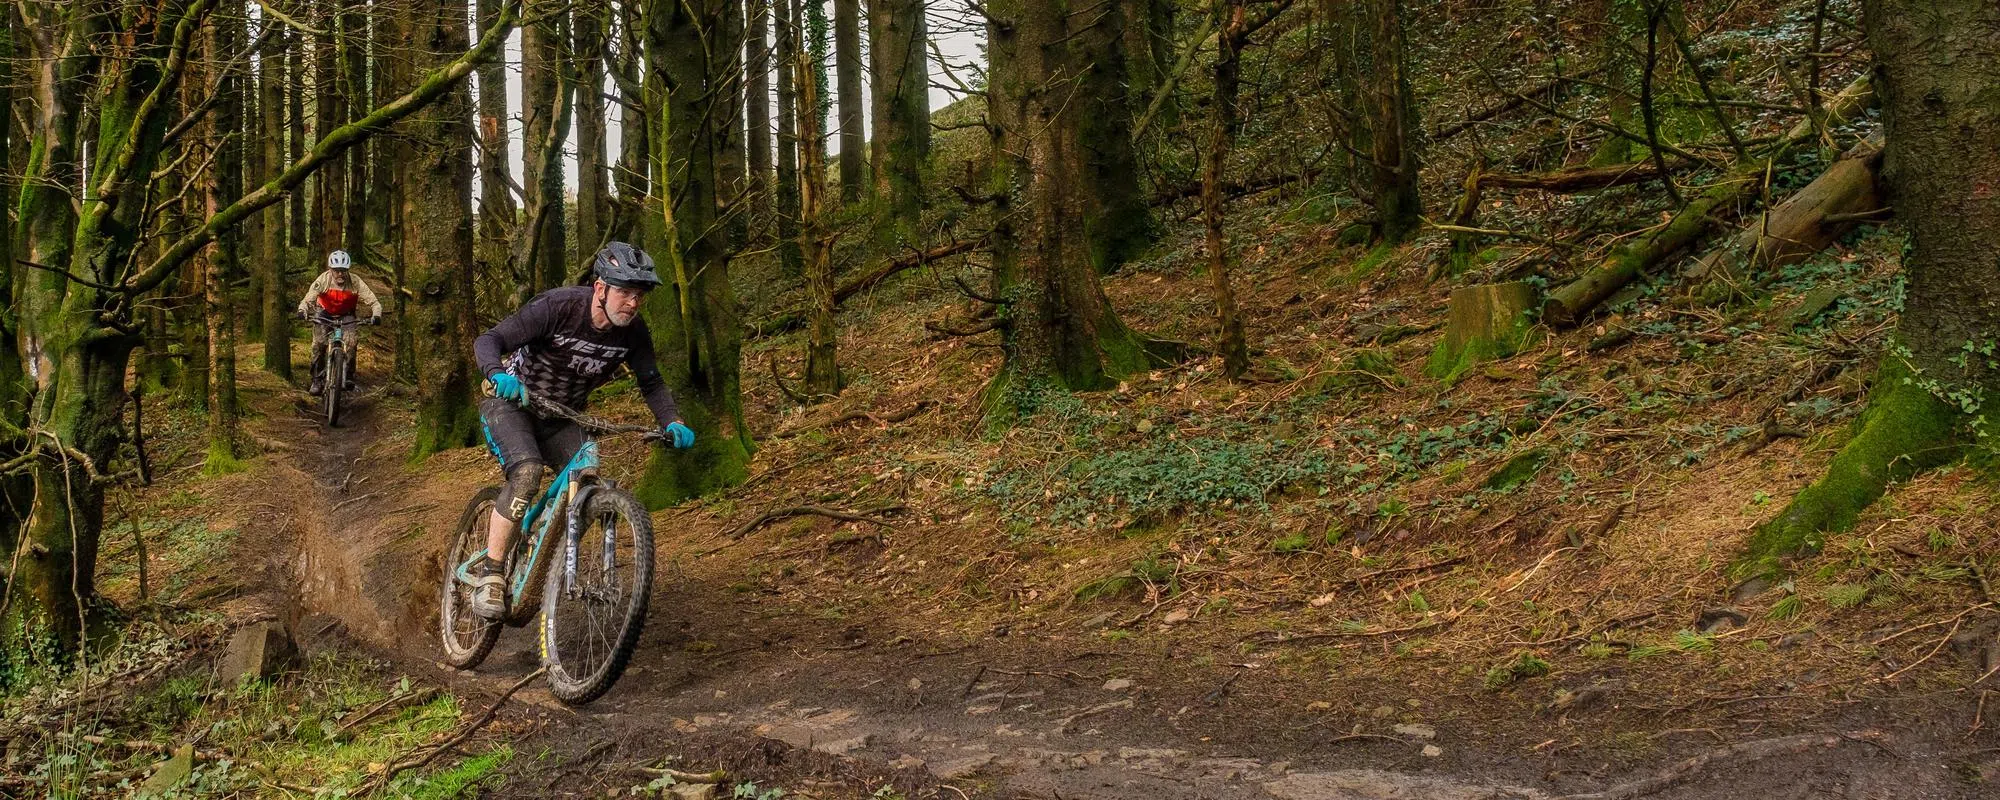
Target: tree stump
x,y
1487,322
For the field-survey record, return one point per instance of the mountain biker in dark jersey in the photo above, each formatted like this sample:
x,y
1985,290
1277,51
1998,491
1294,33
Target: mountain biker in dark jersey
x,y
561,346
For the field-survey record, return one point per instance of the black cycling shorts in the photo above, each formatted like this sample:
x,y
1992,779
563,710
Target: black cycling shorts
x,y
517,436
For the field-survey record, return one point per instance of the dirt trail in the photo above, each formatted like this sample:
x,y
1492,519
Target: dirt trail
x,y
725,677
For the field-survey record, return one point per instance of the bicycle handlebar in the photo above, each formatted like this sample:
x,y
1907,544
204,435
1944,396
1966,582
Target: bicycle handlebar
x,y
592,423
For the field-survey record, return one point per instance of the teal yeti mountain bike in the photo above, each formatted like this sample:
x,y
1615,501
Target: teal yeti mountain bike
x,y
585,547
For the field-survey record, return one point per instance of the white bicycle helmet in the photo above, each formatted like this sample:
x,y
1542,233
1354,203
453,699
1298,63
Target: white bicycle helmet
x,y
338,260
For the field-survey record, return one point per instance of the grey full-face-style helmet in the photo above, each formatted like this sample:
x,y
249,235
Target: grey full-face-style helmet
x,y
622,265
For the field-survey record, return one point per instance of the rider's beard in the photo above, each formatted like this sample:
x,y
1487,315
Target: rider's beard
x,y
620,319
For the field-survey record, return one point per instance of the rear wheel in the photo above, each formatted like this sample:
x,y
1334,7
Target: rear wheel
x,y
591,623
468,637
336,366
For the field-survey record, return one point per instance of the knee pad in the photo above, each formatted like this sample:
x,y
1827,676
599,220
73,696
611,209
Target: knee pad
x,y
524,481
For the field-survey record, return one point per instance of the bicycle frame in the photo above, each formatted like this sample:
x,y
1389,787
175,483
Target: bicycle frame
x,y
566,492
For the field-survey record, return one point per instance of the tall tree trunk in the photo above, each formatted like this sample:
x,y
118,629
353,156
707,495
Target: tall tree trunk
x,y
354,83
330,188
758,125
190,317
732,163
789,257
272,258
630,176
1935,393
900,101
694,319
496,202
593,189
1149,53
296,210
1059,329
391,162
383,203
13,387
815,241
545,123
250,236
437,209
1221,138
221,186
1392,112
847,73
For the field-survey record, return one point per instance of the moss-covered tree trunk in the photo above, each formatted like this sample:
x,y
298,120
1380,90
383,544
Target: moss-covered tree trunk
x,y
815,241
81,364
13,386
847,74
496,201
789,257
545,122
390,169
899,98
1059,330
271,259
221,186
437,209
732,164
1938,382
1215,159
696,327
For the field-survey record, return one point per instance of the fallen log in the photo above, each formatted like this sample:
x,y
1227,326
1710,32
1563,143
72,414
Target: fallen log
x,y
795,318
1804,224
1569,305
1577,179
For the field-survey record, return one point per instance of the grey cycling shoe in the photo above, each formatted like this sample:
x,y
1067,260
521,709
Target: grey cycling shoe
x,y
489,590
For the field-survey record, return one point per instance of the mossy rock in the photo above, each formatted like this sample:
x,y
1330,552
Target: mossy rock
x,y
1518,470
1487,322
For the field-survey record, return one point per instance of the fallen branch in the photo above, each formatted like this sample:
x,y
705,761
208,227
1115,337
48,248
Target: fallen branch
x,y
856,416
1509,104
404,762
800,511
795,318
393,702
1735,753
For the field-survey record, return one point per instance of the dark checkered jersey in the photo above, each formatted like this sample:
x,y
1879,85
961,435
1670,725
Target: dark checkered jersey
x,y
552,347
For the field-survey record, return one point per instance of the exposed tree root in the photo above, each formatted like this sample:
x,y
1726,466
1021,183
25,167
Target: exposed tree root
x,y
1904,431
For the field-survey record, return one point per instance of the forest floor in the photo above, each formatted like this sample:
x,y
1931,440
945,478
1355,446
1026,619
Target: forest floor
x,y
1300,588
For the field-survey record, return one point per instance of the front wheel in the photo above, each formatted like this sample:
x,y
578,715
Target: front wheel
x,y
592,613
330,385
468,638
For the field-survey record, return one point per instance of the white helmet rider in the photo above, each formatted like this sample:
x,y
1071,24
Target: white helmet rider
x,y
338,259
